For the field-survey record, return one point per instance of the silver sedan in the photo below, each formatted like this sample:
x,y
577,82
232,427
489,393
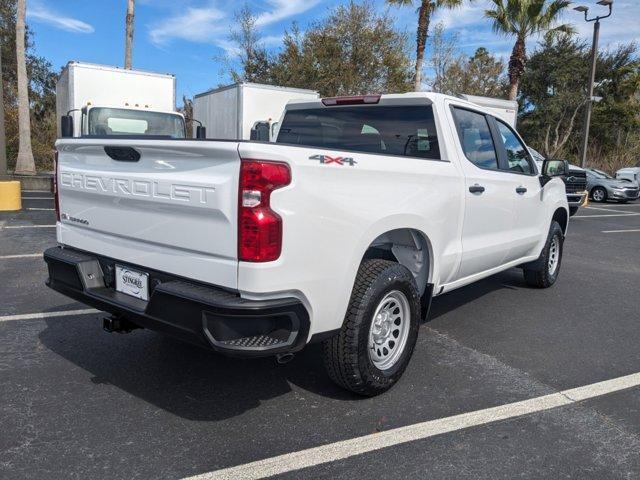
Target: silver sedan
x,y
602,187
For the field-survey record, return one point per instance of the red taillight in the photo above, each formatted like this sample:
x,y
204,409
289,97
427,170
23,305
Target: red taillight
x,y
354,100
56,196
259,227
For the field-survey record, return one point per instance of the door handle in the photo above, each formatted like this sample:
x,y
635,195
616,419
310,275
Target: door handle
x,y
521,190
476,188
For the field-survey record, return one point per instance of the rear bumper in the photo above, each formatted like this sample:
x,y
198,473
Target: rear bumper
x,y
208,316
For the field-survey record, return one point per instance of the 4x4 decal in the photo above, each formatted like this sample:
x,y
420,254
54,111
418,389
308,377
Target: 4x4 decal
x,y
326,159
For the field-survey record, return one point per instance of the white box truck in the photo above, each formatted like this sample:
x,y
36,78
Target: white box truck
x,y
507,110
231,112
103,100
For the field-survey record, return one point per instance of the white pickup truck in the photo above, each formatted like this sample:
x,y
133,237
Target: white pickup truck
x,y
341,231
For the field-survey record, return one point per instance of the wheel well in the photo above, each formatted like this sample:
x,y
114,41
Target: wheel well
x,y
560,216
408,247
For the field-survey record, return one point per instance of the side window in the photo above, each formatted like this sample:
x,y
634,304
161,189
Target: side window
x,y
475,138
517,154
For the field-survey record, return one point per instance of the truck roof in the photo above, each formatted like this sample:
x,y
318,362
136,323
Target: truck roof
x,y
391,99
111,68
255,85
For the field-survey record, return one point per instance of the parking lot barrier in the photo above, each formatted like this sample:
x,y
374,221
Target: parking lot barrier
x,y
10,199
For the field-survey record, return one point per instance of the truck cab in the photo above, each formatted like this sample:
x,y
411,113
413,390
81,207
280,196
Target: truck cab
x,y
100,120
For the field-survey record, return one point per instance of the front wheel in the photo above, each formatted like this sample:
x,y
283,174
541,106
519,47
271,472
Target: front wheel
x,y
599,195
379,332
544,272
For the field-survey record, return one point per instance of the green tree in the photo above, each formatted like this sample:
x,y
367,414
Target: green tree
x,y
252,55
354,50
522,19
42,80
553,93
425,10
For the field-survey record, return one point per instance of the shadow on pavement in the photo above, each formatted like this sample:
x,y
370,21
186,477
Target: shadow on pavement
x,y
197,384
186,380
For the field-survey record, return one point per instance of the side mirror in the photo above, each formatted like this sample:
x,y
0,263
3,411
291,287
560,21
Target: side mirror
x,y
66,126
553,168
201,132
260,131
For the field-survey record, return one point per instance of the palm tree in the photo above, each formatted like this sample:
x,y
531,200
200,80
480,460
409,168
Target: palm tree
x,y
522,19
25,165
425,10
129,34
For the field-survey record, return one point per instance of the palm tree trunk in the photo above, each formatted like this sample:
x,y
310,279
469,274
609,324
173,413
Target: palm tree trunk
x,y
517,63
25,165
3,137
423,30
129,35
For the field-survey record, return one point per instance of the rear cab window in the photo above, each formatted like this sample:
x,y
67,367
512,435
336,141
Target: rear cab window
x,y
402,130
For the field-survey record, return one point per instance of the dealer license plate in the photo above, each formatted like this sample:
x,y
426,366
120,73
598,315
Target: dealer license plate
x,y
132,282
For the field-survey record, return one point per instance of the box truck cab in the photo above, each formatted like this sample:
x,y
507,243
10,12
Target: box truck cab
x,y
99,100
104,120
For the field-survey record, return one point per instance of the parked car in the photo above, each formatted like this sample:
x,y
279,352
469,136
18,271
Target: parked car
x,y
575,182
630,174
340,232
603,187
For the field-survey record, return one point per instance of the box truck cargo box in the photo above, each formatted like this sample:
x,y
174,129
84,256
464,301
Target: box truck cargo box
x,y
231,112
106,100
507,110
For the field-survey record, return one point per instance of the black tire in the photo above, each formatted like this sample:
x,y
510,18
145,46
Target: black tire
x,y
538,274
601,190
346,355
573,211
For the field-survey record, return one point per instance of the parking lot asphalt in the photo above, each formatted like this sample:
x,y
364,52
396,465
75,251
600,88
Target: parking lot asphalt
x,y
77,402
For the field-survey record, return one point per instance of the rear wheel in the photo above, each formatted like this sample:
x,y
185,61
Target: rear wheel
x,y
544,272
599,194
379,332
573,211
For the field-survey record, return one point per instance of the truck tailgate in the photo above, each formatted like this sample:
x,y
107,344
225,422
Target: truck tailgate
x,y
173,209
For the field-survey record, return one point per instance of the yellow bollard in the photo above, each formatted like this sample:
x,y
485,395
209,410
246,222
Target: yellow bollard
x,y
10,196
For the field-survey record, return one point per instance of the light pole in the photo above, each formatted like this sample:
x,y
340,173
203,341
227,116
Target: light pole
x,y
592,74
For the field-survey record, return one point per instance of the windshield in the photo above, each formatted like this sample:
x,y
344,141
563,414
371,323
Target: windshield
x,y
121,121
537,156
599,174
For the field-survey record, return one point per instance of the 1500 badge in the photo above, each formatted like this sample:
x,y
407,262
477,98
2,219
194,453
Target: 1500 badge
x,y
326,159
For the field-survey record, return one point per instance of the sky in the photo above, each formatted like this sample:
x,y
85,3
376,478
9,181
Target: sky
x,y
190,38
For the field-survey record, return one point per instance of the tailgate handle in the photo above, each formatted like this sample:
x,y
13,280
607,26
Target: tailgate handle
x,y
123,154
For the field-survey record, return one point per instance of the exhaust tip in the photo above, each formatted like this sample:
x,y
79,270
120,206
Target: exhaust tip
x,y
284,358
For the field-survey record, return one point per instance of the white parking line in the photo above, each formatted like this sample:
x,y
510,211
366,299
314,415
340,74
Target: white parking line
x,y
30,226
616,205
36,191
602,216
42,209
607,210
37,316
26,255
357,446
620,231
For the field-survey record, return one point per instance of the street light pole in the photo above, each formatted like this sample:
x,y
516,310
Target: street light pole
x,y
592,74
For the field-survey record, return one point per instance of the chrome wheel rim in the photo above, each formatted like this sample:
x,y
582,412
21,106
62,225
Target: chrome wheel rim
x,y
598,195
554,255
389,330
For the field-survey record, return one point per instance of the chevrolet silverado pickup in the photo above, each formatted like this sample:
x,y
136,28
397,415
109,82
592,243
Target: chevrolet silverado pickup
x,y
341,231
